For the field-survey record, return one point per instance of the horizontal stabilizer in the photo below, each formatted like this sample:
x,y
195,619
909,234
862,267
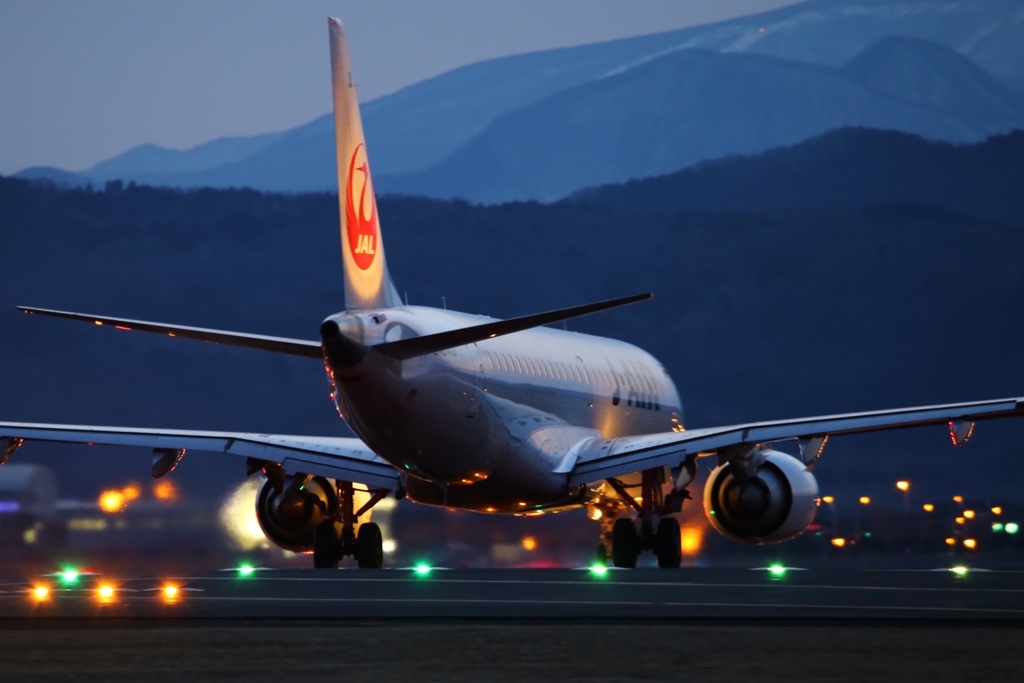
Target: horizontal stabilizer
x,y
294,347
432,343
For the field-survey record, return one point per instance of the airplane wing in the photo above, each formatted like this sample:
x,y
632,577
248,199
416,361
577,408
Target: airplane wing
x,y
348,459
604,458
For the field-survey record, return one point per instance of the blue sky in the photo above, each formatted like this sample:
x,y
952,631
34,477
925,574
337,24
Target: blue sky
x,y
82,81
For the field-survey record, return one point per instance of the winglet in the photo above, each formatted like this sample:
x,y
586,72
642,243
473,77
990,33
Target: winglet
x,y
367,281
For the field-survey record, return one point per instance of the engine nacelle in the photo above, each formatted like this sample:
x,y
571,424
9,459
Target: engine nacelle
x,y
774,505
289,516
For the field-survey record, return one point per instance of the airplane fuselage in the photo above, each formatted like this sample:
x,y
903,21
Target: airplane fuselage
x,y
490,426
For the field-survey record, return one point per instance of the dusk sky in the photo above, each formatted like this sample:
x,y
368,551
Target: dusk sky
x,y
84,81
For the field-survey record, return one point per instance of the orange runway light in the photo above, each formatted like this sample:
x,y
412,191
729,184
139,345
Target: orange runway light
x,y
691,538
839,542
40,593
958,499
828,499
865,500
903,485
170,593
950,541
165,490
997,510
970,543
969,514
131,492
106,593
928,507
112,501
529,543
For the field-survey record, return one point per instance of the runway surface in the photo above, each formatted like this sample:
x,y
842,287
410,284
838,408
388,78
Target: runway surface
x,y
529,594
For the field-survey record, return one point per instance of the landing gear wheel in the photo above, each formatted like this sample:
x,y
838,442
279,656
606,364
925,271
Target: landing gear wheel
x,y
667,545
625,543
370,547
326,547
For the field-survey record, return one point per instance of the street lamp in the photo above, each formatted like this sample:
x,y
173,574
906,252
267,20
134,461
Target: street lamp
x,y
904,486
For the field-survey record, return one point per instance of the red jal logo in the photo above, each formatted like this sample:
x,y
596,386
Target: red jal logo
x,y
361,210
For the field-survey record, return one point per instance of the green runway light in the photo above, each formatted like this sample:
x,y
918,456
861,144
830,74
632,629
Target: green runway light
x,y
246,569
997,527
69,575
959,570
598,569
1012,527
422,569
777,571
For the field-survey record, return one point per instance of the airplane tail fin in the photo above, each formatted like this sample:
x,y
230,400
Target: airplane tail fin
x,y
367,281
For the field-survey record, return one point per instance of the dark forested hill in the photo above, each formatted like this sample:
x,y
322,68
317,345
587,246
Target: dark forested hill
x,y
790,313
845,168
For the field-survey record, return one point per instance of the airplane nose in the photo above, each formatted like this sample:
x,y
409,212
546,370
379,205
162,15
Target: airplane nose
x,y
340,340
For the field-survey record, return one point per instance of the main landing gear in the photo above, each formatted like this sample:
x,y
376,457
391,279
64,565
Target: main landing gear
x,y
627,541
336,538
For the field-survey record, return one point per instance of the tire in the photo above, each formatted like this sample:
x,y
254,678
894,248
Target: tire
x,y
370,547
625,543
326,548
667,543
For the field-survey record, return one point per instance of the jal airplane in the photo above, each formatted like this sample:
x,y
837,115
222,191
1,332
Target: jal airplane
x,y
493,416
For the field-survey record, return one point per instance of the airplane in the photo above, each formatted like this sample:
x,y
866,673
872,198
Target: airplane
x,y
494,416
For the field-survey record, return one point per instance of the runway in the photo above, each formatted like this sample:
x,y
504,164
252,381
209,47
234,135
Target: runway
x,y
537,594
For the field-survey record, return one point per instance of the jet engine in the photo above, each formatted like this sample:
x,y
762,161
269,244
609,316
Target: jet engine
x,y
774,503
289,513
